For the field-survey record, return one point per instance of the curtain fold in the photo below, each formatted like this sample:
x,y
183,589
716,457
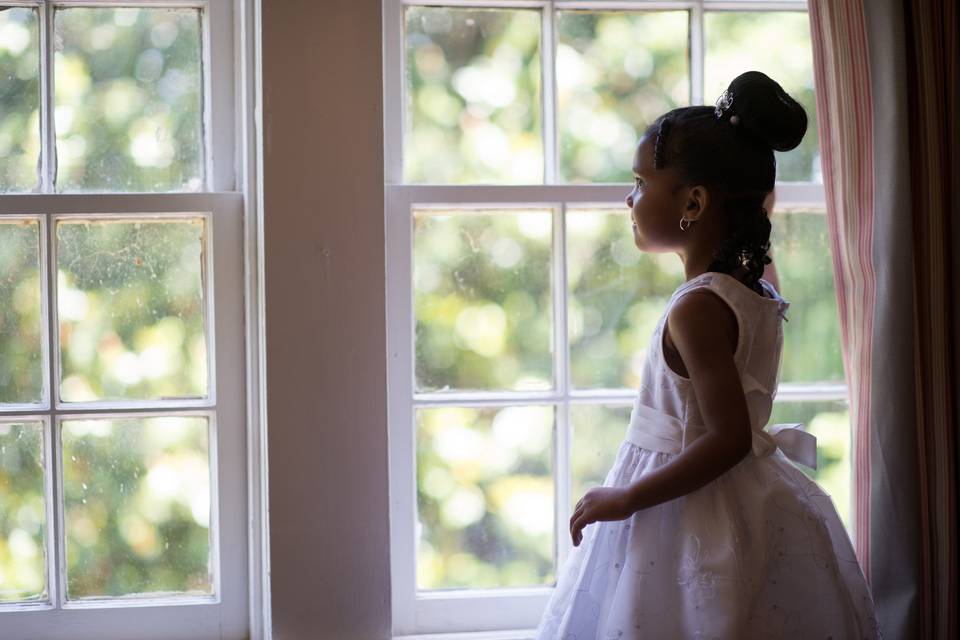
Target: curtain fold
x,y
844,113
932,67
886,73
896,564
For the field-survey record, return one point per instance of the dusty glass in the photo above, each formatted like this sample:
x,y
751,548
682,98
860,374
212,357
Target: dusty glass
x,y
128,99
484,497
616,71
19,98
473,96
131,303
22,515
617,293
21,322
482,299
136,500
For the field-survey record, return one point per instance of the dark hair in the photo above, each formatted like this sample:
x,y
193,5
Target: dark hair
x,y
734,161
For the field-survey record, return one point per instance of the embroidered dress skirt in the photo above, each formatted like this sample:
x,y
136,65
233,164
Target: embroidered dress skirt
x,y
760,552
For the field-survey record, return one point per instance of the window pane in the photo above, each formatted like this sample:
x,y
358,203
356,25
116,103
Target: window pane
x,y
482,299
617,293
19,98
128,99
22,513
598,433
778,44
811,338
485,497
829,421
473,96
137,506
616,72
21,324
131,302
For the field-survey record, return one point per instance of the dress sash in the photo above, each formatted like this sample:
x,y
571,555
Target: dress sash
x,y
656,430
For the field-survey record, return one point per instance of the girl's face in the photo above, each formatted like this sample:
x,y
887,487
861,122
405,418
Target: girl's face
x,y
656,205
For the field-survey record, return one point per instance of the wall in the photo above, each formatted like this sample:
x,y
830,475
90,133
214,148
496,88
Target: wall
x,y
325,335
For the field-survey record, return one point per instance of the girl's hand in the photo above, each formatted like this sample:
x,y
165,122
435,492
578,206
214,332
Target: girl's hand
x,y
600,504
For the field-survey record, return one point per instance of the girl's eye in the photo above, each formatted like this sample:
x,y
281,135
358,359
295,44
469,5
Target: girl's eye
x,y
637,181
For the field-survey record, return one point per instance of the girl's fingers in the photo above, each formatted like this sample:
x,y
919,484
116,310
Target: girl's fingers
x,y
578,524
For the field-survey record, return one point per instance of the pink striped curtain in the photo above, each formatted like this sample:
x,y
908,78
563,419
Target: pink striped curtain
x,y
886,74
844,109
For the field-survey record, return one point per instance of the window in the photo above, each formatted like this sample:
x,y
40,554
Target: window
x,y
122,393
518,308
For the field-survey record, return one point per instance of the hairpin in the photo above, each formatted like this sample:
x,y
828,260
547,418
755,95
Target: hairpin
x,y
723,103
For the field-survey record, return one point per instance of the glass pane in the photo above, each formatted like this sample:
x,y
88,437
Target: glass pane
x,y
616,72
617,293
811,337
19,98
128,99
598,432
482,299
21,323
137,506
22,513
485,497
829,421
131,301
473,96
778,44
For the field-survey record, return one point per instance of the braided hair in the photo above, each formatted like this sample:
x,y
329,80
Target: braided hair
x,y
734,161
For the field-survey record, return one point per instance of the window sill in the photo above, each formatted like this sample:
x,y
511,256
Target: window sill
x,y
516,634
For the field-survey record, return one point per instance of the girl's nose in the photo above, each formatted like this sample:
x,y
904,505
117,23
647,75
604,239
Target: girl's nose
x,y
630,202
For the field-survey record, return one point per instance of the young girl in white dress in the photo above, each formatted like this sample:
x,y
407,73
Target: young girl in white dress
x,y
704,527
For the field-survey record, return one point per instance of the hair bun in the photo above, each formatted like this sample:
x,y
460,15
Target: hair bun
x,y
767,111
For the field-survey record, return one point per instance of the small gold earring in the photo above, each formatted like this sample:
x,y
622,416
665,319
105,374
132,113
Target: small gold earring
x,y
684,228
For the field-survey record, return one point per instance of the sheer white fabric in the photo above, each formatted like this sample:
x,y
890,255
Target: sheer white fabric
x,y
760,552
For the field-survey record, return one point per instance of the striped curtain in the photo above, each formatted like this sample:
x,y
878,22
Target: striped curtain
x,y
844,110
932,68
886,73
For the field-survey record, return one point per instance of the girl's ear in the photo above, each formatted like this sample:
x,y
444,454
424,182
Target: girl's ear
x,y
698,200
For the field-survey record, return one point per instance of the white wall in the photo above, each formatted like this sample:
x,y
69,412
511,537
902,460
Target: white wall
x,y
325,335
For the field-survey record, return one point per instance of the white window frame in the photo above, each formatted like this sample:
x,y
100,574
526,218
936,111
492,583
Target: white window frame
x,y
507,614
234,301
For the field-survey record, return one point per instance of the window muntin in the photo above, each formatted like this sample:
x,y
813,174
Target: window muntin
x,y
591,396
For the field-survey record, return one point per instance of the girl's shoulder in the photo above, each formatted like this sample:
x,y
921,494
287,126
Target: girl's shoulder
x,y
744,301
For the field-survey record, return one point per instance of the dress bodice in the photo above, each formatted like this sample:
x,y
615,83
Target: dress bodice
x,y
666,414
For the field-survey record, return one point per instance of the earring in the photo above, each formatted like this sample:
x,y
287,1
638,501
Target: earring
x,y
684,228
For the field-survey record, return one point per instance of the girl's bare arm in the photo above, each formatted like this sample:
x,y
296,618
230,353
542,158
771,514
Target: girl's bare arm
x,y
700,324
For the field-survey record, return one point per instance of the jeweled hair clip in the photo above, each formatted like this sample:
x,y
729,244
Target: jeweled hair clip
x,y
723,102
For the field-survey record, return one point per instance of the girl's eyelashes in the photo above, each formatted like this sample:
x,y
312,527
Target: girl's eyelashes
x,y
637,181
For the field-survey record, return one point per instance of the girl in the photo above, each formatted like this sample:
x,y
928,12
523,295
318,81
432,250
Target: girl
x,y
703,528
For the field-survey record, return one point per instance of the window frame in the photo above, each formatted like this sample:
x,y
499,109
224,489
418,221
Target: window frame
x,y
237,438
508,612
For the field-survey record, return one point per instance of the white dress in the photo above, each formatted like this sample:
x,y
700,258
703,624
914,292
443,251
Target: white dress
x,y
760,552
